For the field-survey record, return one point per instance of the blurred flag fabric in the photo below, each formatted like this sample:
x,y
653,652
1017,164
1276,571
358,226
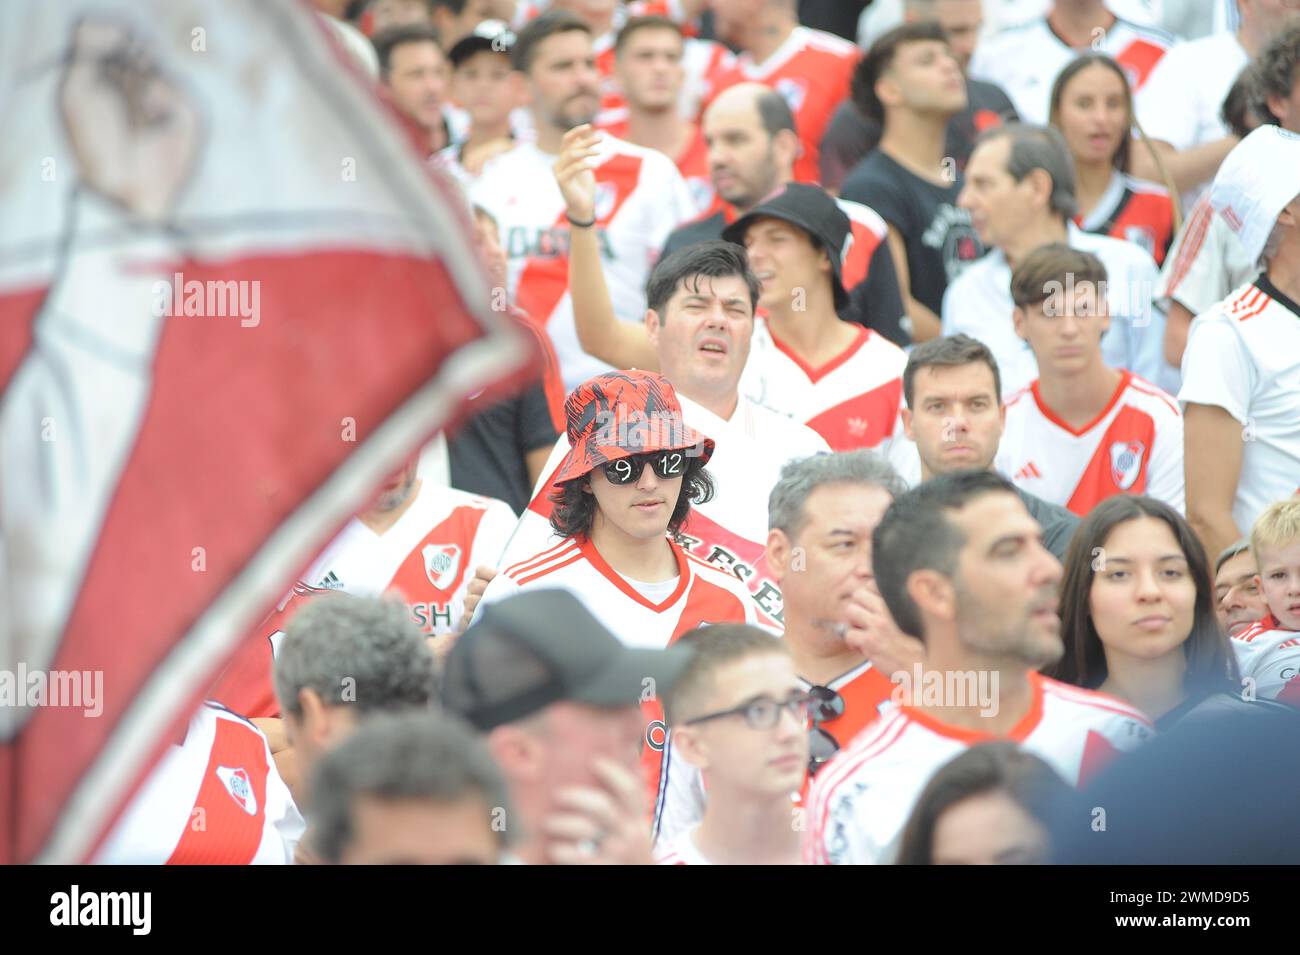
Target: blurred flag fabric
x,y
232,301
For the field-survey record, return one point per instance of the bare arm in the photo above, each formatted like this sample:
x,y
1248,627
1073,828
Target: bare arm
x,y
535,462
1188,168
925,324
601,334
1212,449
1177,323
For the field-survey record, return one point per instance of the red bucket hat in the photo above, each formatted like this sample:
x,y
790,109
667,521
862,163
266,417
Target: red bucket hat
x,y
621,414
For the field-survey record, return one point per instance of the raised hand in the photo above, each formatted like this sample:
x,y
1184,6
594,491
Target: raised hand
x,y
573,172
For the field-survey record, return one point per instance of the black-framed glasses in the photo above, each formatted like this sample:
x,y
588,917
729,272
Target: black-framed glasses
x,y
825,704
764,712
665,464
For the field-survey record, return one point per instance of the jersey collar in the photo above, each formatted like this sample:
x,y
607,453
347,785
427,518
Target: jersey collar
x,y
1028,723
614,577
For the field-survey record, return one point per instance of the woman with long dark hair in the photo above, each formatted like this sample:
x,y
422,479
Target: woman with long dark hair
x,y
1092,106
1137,612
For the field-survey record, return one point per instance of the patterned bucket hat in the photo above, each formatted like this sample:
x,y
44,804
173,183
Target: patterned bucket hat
x,y
621,414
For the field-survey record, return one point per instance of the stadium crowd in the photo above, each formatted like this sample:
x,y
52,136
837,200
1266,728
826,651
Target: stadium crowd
x,y
916,442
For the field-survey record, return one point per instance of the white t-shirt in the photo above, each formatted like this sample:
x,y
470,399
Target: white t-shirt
x,y
729,530
640,199
979,304
428,556
1025,60
1269,654
1243,355
1205,263
1181,101
862,799
1135,446
852,401
214,799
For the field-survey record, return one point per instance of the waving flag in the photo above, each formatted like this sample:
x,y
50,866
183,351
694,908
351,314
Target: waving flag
x,y
232,300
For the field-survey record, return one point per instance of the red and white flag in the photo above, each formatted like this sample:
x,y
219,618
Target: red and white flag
x,y
232,301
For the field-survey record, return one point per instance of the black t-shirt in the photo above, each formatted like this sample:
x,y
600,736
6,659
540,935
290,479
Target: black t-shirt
x,y
486,455
938,237
851,135
834,16
875,303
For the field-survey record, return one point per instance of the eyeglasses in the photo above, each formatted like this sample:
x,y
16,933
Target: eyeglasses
x,y
665,464
764,712
825,705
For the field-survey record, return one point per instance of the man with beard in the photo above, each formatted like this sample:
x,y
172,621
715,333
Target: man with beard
x,y
640,195
961,564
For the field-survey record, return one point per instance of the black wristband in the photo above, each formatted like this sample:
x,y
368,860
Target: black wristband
x,y
575,222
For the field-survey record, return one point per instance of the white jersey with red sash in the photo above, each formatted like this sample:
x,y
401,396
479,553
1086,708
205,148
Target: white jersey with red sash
x,y
852,401
700,594
1135,446
214,799
1269,655
862,799
428,556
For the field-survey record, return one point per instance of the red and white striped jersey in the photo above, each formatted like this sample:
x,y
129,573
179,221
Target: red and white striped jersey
x,y
214,799
1025,60
862,799
693,164
640,199
1244,356
1135,446
682,851
868,230
1269,654
650,615
1135,210
728,531
812,71
852,401
428,556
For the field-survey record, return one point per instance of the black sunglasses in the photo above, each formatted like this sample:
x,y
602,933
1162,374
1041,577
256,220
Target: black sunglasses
x,y
665,464
824,705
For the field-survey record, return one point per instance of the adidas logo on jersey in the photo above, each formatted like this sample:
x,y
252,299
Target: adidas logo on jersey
x,y
331,582
1030,470
858,426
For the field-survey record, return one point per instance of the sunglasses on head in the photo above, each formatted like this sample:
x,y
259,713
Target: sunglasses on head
x,y
665,464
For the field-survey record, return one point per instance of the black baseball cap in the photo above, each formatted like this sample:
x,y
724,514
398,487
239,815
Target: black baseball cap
x,y
541,647
493,35
813,210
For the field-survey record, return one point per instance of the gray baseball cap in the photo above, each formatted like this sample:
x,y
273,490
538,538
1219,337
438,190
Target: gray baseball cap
x,y
541,647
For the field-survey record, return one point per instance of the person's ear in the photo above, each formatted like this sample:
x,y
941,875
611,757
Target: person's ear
x,y
933,594
652,325
586,483
517,752
1040,183
785,143
315,717
778,554
691,746
1020,318
906,414
887,91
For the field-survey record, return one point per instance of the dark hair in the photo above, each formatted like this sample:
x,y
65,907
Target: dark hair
x,y
714,646
390,38
1000,766
575,507
916,533
712,259
1073,69
1210,663
774,112
636,24
1049,269
457,7
400,757
951,351
880,58
1039,147
1274,72
540,28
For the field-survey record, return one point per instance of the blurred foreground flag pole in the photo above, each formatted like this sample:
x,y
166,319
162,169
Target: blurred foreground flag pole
x,y
232,301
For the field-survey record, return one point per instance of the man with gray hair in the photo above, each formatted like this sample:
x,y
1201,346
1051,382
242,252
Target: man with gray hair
x,y
342,659
821,515
410,789
1020,194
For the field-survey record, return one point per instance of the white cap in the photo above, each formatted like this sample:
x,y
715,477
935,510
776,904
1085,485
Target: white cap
x,y
1256,182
